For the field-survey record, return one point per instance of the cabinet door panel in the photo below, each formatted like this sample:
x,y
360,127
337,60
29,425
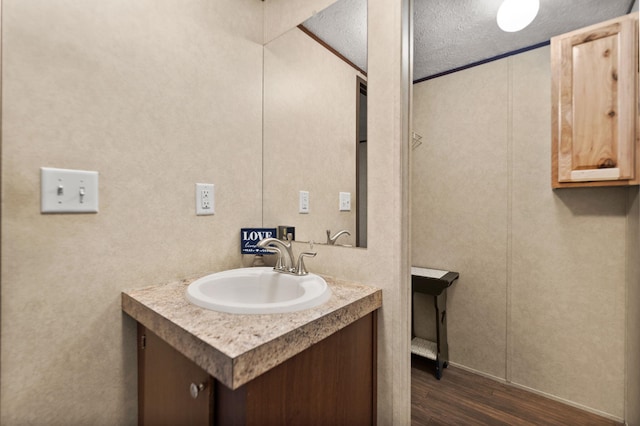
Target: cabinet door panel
x,y
331,383
595,108
164,379
594,73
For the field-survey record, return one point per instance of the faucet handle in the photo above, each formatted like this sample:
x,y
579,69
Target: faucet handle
x,y
277,251
300,268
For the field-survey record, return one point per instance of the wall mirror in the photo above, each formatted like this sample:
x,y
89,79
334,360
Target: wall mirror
x,y
314,131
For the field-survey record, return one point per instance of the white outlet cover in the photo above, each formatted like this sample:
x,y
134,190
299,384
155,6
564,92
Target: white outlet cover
x,y
304,202
205,199
345,202
68,191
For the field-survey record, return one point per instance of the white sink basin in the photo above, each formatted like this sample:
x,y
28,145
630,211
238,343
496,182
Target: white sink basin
x,y
258,291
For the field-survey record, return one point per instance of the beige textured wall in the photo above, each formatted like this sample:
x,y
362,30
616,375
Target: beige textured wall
x,y
156,96
309,137
459,190
541,297
385,262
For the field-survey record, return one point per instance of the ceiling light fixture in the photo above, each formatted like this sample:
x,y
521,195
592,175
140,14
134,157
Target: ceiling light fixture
x,y
514,15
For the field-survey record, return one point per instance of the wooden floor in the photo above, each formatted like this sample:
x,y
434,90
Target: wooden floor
x,y
464,398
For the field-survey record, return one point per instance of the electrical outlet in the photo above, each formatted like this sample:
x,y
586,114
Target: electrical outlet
x,y
345,201
303,202
205,200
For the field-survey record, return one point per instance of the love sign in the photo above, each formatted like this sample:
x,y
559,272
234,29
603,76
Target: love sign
x,y
249,238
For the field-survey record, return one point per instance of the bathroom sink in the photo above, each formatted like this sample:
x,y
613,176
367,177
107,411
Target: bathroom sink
x,y
258,291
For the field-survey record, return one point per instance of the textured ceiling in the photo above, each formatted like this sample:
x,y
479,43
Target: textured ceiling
x,y
450,34
343,26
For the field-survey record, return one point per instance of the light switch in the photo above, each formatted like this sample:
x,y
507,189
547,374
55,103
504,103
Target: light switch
x,y
68,191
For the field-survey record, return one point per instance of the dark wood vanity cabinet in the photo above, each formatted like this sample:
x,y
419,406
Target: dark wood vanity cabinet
x,y
164,381
331,383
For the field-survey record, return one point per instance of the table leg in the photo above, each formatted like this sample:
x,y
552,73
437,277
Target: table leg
x,y
442,357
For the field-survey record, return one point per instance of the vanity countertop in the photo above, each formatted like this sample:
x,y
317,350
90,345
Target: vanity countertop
x,y
237,348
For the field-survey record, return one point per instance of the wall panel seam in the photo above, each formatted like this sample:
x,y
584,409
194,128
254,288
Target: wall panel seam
x,y
627,282
509,218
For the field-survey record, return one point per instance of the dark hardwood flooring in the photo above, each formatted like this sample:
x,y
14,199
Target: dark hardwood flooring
x,y
464,398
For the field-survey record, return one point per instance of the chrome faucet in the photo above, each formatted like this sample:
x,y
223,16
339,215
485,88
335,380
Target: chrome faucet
x,y
332,240
284,262
300,268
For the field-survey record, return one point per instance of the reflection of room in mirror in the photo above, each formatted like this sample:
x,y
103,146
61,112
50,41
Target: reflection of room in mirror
x,y
314,136
343,27
361,164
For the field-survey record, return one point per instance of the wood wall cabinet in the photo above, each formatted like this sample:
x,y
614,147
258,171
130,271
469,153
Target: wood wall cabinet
x,y
331,383
594,74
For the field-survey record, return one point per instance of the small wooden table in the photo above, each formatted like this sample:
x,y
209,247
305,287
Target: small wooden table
x,y
433,282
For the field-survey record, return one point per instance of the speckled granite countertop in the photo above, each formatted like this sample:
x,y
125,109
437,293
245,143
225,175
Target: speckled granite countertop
x,y
237,348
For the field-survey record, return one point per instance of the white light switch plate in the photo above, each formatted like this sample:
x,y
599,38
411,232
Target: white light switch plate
x,y
68,191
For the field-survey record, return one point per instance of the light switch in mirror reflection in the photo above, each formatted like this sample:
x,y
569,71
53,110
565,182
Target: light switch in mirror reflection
x,y
314,138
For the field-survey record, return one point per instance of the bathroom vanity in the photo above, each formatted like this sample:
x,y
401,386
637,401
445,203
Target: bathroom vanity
x,y
198,366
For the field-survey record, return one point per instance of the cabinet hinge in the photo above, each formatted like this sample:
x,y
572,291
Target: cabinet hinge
x,y
143,341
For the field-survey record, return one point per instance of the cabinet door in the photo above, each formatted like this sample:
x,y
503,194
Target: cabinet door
x,y
331,383
164,381
594,78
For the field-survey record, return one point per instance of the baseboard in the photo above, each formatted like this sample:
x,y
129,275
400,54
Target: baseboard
x,y
479,373
537,392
